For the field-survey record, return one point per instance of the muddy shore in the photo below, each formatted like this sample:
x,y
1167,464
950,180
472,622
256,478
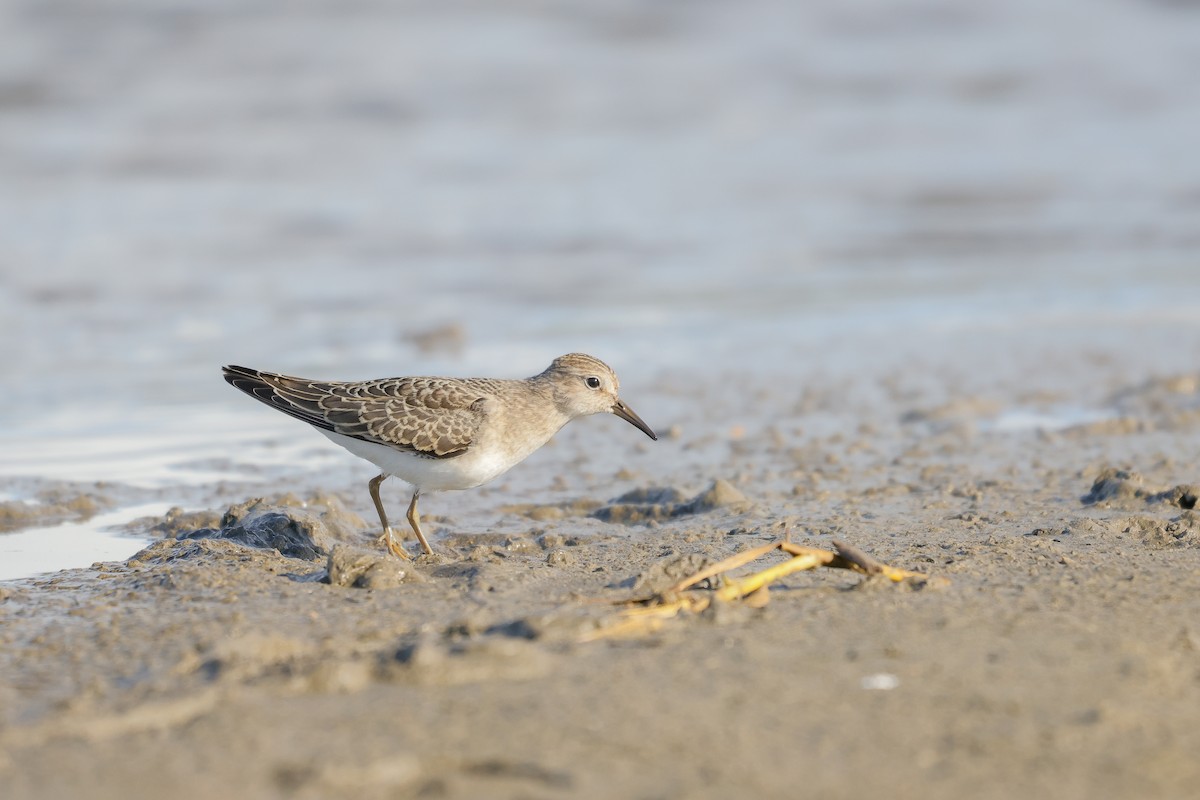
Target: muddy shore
x,y
268,650
919,277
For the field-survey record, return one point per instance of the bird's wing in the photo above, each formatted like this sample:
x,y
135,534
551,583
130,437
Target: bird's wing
x,y
428,416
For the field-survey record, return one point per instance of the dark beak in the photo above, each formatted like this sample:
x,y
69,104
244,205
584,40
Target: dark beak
x,y
626,413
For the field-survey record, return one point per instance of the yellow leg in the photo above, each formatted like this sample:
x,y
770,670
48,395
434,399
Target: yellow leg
x,y
415,520
388,539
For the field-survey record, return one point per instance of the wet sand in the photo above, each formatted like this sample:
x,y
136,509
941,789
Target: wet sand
x,y
918,277
1055,653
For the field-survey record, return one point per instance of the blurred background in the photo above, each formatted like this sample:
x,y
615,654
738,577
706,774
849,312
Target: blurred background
x,y
698,192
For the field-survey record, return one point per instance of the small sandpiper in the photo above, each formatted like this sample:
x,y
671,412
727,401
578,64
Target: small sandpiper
x,y
443,433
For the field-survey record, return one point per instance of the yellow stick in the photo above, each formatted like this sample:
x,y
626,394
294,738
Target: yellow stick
x,y
743,587
724,565
649,618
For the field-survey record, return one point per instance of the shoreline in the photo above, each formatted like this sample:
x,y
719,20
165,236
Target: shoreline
x,y
1059,652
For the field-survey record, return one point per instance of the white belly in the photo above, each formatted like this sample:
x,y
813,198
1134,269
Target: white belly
x,y
471,469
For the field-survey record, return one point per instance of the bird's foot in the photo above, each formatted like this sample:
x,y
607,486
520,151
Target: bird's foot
x,y
388,540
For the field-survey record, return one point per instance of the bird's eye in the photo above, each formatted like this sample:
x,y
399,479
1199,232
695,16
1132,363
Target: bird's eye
x,y
593,382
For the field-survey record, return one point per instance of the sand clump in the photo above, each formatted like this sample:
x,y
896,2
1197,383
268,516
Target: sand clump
x,y
1124,488
656,504
1181,531
367,569
665,573
51,508
306,534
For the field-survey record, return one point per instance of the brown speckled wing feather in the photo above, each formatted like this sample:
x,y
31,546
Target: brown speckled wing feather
x,y
426,416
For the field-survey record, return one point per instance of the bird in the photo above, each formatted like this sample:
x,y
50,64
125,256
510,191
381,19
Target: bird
x,y
439,433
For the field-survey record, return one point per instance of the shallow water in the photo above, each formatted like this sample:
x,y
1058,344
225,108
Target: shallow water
x,y
37,550
794,195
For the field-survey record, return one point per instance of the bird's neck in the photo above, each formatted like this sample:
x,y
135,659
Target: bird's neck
x,y
537,419
549,391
